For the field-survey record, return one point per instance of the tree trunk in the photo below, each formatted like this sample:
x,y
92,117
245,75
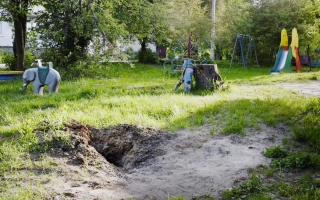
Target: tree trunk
x,y
143,56
19,42
144,45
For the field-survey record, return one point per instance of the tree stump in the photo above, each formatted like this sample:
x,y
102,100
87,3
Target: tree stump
x,y
207,75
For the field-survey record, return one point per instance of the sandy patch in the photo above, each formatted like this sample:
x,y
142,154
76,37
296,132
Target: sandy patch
x,y
151,164
311,88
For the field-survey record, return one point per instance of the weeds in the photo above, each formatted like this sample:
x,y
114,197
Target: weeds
x,y
276,152
250,189
119,93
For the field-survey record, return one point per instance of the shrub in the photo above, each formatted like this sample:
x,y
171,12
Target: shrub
x,y
276,152
308,130
8,59
301,160
148,57
28,59
247,189
82,69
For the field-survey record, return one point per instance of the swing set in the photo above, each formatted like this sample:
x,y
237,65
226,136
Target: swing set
x,y
244,43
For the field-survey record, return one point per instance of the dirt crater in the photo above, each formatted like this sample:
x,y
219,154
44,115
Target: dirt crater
x,y
128,146
128,162
124,146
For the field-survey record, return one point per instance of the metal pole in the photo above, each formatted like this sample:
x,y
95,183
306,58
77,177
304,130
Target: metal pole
x,y
213,30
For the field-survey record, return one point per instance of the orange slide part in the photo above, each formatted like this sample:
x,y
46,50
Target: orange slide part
x,y
298,65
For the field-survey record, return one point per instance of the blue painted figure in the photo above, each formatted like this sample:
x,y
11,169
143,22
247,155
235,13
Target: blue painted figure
x,y
186,76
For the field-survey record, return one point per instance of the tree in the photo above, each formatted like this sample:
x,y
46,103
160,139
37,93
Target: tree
x,y
17,11
186,19
138,17
67,27
263,20
268,17
164,22
231,15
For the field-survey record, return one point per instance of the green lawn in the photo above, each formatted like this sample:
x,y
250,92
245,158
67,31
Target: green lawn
x,y
144,95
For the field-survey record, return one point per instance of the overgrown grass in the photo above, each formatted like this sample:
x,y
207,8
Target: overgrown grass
x,y
144,95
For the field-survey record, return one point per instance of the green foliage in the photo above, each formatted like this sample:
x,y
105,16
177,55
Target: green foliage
x,y
67,29
308,130
106,94
300,160
70,43
138,17
28,58
263,20
148,57
32,44
276,152
7,58
250,189
17,12
305,188
81,69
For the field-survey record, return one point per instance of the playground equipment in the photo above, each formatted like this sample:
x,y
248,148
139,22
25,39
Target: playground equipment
x,y
286,53
244,42
195,56
196,49
41,76
186,76
9,75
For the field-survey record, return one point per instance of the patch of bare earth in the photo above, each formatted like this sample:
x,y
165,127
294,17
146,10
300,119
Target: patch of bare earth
x,y
127,162
311,88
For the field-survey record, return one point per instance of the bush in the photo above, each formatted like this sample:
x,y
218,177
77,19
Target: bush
x,y
250,188
82,69
308,130
28,59
8,59
301,160
276,152
148,57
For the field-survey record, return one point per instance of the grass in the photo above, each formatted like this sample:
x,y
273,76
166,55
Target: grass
x,y
144,95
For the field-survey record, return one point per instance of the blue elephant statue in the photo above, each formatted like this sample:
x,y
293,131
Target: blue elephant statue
x,y
41,76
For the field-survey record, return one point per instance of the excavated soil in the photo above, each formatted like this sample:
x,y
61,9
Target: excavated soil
x,y
128,162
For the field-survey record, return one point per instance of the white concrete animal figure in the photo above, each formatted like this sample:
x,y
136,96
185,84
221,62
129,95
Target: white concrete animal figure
x,y
50,77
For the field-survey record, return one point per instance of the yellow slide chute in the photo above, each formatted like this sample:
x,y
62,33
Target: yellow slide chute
x,y
284,38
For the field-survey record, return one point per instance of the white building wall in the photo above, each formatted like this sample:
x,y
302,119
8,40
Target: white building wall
x,y
6,34
136,46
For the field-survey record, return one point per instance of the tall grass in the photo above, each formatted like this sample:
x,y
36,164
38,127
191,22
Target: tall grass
x,y
144,95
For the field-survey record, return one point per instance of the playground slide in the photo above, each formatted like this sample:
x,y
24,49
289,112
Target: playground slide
x,y
295,48
283,61
286,53
280,62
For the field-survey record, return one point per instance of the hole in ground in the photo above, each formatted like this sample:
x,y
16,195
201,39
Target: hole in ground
x,y
128,146
125,145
